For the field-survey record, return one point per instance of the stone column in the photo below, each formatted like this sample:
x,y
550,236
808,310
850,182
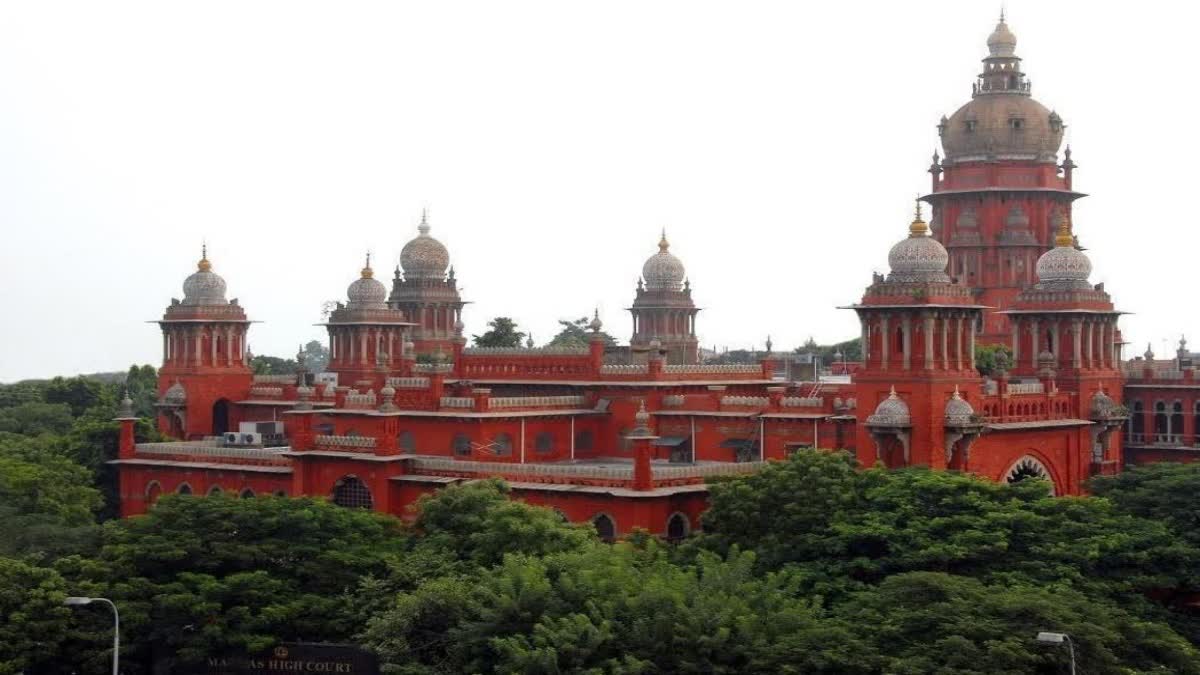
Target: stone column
x,y
1091,339
958,340
198,355
1056,342
884,342
1035,342
971,345
1076,341
1016,339
906,327
166,347
944,322
865,338
929,340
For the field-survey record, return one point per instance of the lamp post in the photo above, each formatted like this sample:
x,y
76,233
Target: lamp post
x,y
1056,639
73,601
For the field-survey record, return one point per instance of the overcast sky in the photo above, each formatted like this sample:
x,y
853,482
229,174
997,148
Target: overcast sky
x,y
780,144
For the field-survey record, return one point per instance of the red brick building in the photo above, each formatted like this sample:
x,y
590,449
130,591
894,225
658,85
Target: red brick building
x,y
631,443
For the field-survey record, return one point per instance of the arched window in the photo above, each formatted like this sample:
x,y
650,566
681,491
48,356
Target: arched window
x,y
1137,423
408,442
606,527
1176,431
184,489
352,493
214,490
1029,468
247,494
1162,422
503,445
544,442
461,445
677,527
584,440
153,490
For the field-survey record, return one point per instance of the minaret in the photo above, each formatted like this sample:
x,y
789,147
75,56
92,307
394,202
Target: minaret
x,y
205,361
428,294
366,336
663,309
997,192
918,336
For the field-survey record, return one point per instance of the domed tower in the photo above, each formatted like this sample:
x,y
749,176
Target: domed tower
x,y
205,364
918,336
366,336
428,294
996,193
663,308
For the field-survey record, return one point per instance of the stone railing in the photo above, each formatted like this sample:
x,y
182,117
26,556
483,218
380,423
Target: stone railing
x,y
266,392
706,470
356,400
208,449
408,382
274,379
538,401
1027,388
345,442
674,401
624,369
713,369
433,368
606,472
523,351
458,402
746,401
802,402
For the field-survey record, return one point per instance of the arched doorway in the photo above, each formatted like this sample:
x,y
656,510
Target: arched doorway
x,y
220,417
215,490
247,494
184,489
677,527
1029,468
606,527
153,491
352,493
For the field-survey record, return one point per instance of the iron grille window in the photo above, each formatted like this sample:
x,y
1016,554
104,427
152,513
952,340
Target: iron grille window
x,y
351,493
504,445
461,445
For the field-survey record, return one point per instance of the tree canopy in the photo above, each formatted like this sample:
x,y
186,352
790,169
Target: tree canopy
x,y
502,332
577,334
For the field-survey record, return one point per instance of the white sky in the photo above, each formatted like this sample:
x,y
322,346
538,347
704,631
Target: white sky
x,y
780,144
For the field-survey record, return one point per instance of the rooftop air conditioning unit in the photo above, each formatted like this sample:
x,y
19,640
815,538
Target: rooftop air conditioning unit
x,y
231,438
250,439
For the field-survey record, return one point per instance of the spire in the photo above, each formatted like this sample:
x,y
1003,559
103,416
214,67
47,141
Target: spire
x,y
204,265
1063,237
917,228
367,272
663,244
423,228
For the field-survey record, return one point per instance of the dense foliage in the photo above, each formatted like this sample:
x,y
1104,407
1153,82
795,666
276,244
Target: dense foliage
x,y
576,333
810,566
502,332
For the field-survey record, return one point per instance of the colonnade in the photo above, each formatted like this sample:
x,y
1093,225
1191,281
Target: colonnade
x,y
1089,340
946,339
204,344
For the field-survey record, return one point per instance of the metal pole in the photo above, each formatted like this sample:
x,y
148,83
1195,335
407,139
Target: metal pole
x,y
1070,646
116,635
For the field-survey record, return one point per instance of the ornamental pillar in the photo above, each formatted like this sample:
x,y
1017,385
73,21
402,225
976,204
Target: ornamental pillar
x,y
1076,342
885,339
906,335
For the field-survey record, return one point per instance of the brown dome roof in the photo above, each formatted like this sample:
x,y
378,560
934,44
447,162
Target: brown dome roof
x,y
1002,126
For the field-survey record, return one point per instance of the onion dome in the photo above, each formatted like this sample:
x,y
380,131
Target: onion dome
x,y
891,411
204,287
387,398
1064,266
1002,42
459,326
958,411
663,271
424,257
175,395
126,409
641,423
920,257
595,324
367,292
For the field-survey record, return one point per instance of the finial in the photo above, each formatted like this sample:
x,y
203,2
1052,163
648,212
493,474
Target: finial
x,y
892,393
367,272
769,344
1002,12
918,228
423,228
204,265
1064,238
596,324
663,245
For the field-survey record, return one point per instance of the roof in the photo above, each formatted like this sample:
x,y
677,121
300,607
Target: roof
x,y
1037,424
491,414
212,466
627,383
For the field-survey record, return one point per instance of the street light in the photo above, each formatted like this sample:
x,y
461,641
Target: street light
x,y
1056,639
73,601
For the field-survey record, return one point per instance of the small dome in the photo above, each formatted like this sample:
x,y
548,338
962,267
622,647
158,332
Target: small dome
x,y
919,257
663,271
204,287
1102,406
1002,42
175,395
424,257
891,411
1064,266
367,292
596,324
958,411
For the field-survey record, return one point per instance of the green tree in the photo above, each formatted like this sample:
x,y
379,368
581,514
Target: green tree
x,y
316,356
577,334
36,624
991,359
502,332
35,418
142,385
80,393
47,502
261,364
199,576
735,357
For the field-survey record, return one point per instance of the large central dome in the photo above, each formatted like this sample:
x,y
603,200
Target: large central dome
x,y
424,257
1002,120
663,271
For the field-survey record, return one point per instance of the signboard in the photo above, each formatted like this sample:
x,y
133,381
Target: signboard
x,y
289,658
